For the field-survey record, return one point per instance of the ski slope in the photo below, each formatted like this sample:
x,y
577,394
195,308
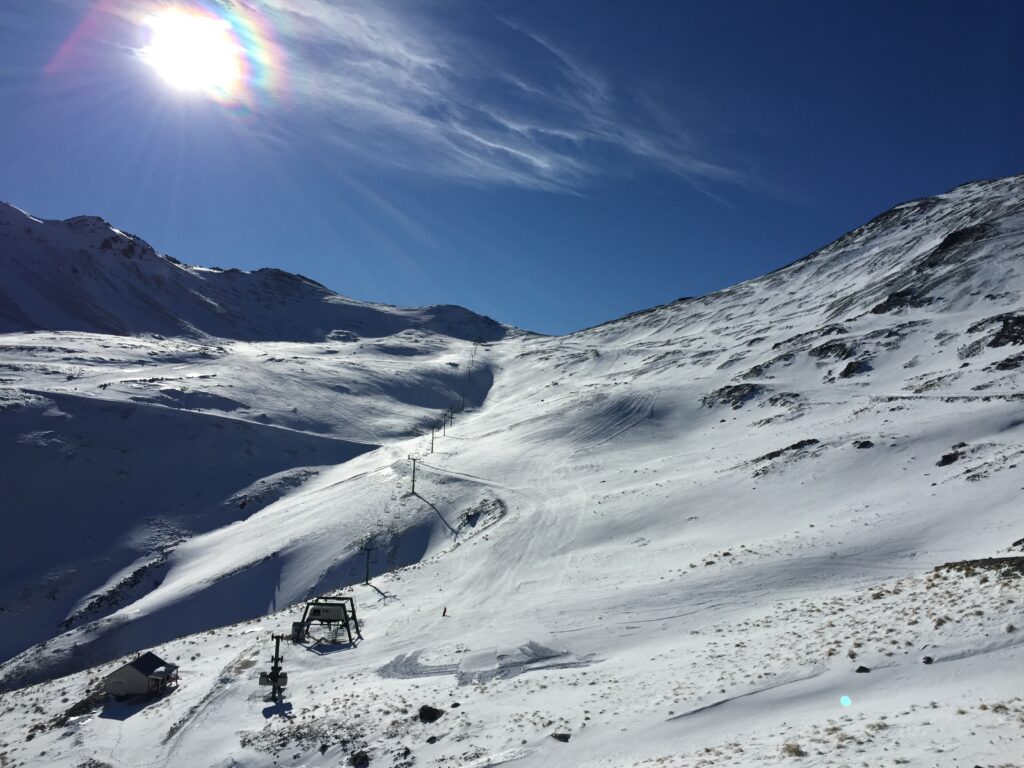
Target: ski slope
x,y
672,538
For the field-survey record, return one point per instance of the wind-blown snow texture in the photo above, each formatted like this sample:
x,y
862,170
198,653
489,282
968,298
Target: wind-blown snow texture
x,y
672,538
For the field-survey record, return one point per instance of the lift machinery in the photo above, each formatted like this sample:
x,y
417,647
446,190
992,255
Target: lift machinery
x,y
334,613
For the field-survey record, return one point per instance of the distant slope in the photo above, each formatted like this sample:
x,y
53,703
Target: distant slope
x,y
117,450
144,402
96,486
956,249
81,274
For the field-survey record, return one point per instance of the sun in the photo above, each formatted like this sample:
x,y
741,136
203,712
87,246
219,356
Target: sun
x,y
194,51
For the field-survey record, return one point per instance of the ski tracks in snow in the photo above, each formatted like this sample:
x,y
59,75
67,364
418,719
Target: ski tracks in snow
x,y
201,711
748,694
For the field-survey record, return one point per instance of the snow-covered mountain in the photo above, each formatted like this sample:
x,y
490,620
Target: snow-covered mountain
x,y
672,538
83,275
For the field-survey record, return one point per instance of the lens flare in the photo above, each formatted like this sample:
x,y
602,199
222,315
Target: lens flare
x,y
845,701
194,52
224,54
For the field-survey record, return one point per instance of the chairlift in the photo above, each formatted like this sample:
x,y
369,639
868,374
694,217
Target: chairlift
x,y
334,613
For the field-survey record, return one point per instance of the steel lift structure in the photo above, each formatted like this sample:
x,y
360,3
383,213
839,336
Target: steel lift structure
x,y
334,613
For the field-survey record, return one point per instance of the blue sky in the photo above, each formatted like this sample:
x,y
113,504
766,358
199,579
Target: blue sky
x,y
551,164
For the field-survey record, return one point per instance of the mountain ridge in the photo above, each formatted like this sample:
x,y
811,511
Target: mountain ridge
x,y
66,275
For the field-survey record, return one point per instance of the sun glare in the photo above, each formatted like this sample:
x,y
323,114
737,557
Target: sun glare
x,y
196,52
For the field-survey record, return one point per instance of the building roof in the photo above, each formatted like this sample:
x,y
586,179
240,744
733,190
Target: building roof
x,y
151,665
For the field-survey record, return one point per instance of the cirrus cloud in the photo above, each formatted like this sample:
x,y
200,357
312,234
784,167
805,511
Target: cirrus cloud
x,y
395,83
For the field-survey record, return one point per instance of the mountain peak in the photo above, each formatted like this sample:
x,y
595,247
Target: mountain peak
x,y
83,274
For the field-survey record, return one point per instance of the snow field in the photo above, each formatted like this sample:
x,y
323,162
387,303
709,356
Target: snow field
x,y
673,538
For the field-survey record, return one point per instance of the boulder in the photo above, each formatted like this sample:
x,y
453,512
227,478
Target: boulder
x,y
429,714
853,368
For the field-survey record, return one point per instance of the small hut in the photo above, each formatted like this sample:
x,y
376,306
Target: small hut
x,y
148,675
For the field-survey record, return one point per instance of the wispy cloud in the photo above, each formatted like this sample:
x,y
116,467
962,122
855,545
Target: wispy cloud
x,y
391,83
